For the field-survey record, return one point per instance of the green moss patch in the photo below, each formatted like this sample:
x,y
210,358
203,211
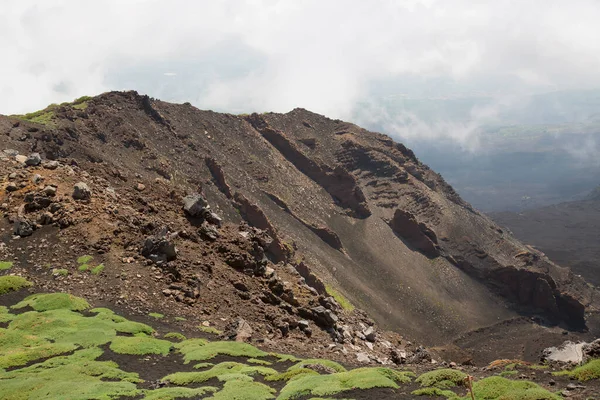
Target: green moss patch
x,y
327,385
433,391
84,260
140,345
4,265
175,336
318,361
498,388
442,378
78,376
210,329
12,283
173,393
236,389
53,301
60,272
586,372
341,300
156,315
222,371
97,269
201,350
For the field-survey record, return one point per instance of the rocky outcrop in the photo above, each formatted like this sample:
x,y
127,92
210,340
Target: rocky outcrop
x,y
337,181
218,176
323,232
416,234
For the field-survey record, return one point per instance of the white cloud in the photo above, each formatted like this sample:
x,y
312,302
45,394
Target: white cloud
x,y
313,54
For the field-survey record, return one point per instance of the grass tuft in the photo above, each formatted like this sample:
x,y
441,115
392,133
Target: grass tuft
x,y
140,345
442,378
13,283
222,371
98,269
53,301
199,350
4,265
327,385
209,329
498,388
236,389
173,393
341,300
156,315
586,372
175,335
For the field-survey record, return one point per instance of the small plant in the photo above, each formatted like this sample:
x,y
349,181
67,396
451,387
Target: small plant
x,y
442,378
341,300
586,372
98,269
53,301
209,329
156,315
12,283
4,265
180,319
140,345
60,272
175,335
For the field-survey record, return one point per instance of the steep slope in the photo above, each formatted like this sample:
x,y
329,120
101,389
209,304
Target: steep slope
x,y
567,233
354,207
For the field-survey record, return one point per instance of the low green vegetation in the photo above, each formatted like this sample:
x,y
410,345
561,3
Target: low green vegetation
x,y
498,388
237,389
173,393
221,371
433,391
97,269
77,376
12,283
586,372
201,350
442,378
53,301
84,259
341,300
327,385
175,335
209,329
156,315
4,265
60,272
320,362
44,117
140,345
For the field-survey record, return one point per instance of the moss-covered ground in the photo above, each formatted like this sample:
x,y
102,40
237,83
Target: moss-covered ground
x,y
55,346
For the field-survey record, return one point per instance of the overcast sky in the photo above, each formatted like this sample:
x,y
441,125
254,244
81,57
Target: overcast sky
x,y
259,55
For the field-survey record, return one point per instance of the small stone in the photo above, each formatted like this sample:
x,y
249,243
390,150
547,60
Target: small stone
x,y
195,205
370,334
81,191
37,178
51,164
50,190
362,357
33,160
13,175
11,187
140,187
21,158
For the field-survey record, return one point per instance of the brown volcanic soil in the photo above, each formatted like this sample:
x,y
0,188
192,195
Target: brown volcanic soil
x,y
359,210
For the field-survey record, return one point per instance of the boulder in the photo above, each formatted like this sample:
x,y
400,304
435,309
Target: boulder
x,y
239,330
23,227
591,350
51,164
159,248
195,205
568,352
81,191
324,317
33,160
208,231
